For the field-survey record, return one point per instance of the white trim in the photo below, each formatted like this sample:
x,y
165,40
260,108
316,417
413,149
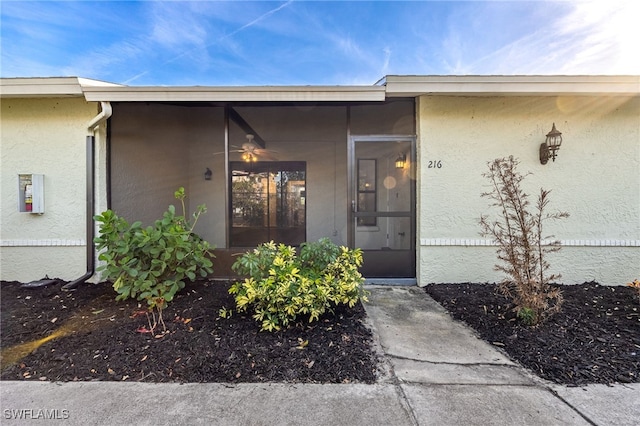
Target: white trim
x,y
43,87
235,93
42,243
469,242
512,85
389,87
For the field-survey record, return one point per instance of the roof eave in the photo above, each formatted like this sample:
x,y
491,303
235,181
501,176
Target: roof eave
x,y
40,87
236,94
411,86
47,87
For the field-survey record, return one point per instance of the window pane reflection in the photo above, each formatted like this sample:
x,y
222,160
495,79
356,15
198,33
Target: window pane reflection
x,y
268,202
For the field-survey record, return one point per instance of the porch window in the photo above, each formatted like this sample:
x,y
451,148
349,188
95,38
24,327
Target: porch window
x,y
268,202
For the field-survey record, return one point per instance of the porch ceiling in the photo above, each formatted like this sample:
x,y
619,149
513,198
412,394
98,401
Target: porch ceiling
x,y
512,85
236,94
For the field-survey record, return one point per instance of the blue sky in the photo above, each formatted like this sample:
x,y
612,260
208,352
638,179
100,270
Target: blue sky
x,y
316,43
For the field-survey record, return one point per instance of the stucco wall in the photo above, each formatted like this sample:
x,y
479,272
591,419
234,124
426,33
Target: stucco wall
x,y
44,136
594,178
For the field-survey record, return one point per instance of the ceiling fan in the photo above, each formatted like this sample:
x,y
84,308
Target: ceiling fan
x,y
251,152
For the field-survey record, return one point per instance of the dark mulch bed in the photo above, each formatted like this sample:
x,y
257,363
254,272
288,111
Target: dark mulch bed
x,y
594,339
104,342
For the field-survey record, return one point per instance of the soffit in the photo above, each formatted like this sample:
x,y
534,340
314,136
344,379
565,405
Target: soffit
x,y
411,86
236,94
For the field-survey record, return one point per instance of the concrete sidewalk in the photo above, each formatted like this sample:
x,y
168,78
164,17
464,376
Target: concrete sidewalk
x,y
448,376
436,372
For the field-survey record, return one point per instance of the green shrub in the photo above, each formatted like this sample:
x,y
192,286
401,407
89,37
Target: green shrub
x,y
281,287
527,316
522,246
151,264
316,256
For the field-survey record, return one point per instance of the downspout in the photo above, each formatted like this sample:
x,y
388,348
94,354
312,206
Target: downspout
x,y
98,120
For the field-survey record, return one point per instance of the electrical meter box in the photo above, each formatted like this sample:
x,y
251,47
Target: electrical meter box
x,y
31,193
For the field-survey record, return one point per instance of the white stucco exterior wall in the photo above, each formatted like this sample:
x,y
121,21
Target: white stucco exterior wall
x,y
594,178
44,136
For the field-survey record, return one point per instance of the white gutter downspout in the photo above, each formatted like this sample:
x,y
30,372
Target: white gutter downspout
x,y
97,121
103,116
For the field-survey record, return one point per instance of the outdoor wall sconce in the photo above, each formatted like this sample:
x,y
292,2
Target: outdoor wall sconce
x,y
207,174
551,145
400,161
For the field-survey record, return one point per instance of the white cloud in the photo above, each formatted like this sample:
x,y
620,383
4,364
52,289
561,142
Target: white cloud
x,y
219,42
387,59
606,37
260,18
202,33
104,62
577,38
174,25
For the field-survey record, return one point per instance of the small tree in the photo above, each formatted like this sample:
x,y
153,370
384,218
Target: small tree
x,y
522,248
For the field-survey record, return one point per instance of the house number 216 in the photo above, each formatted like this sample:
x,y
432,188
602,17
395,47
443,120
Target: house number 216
x,y
435,164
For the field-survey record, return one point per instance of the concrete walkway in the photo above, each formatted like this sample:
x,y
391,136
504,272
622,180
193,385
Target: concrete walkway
x,y
436,372
447,376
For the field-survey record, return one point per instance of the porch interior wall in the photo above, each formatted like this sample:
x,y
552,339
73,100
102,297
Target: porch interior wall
x,y
155,149
318,136
206,150
593,178
44,136
395,117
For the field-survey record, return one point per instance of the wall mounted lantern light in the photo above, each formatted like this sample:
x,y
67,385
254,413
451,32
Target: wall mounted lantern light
x,y
207,174
551,145
400,161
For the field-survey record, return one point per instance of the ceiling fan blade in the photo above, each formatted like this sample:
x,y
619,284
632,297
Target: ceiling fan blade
x,y
264,150
264,153
230,151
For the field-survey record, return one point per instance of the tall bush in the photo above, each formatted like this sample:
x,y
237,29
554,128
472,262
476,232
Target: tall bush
x,y
151,264
522,246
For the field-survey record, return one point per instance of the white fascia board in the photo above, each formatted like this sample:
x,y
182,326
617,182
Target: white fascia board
x,y
48,87
40,87
402,86
236,94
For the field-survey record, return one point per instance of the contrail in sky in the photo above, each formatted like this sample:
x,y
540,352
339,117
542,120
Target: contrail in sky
x,y
245,26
